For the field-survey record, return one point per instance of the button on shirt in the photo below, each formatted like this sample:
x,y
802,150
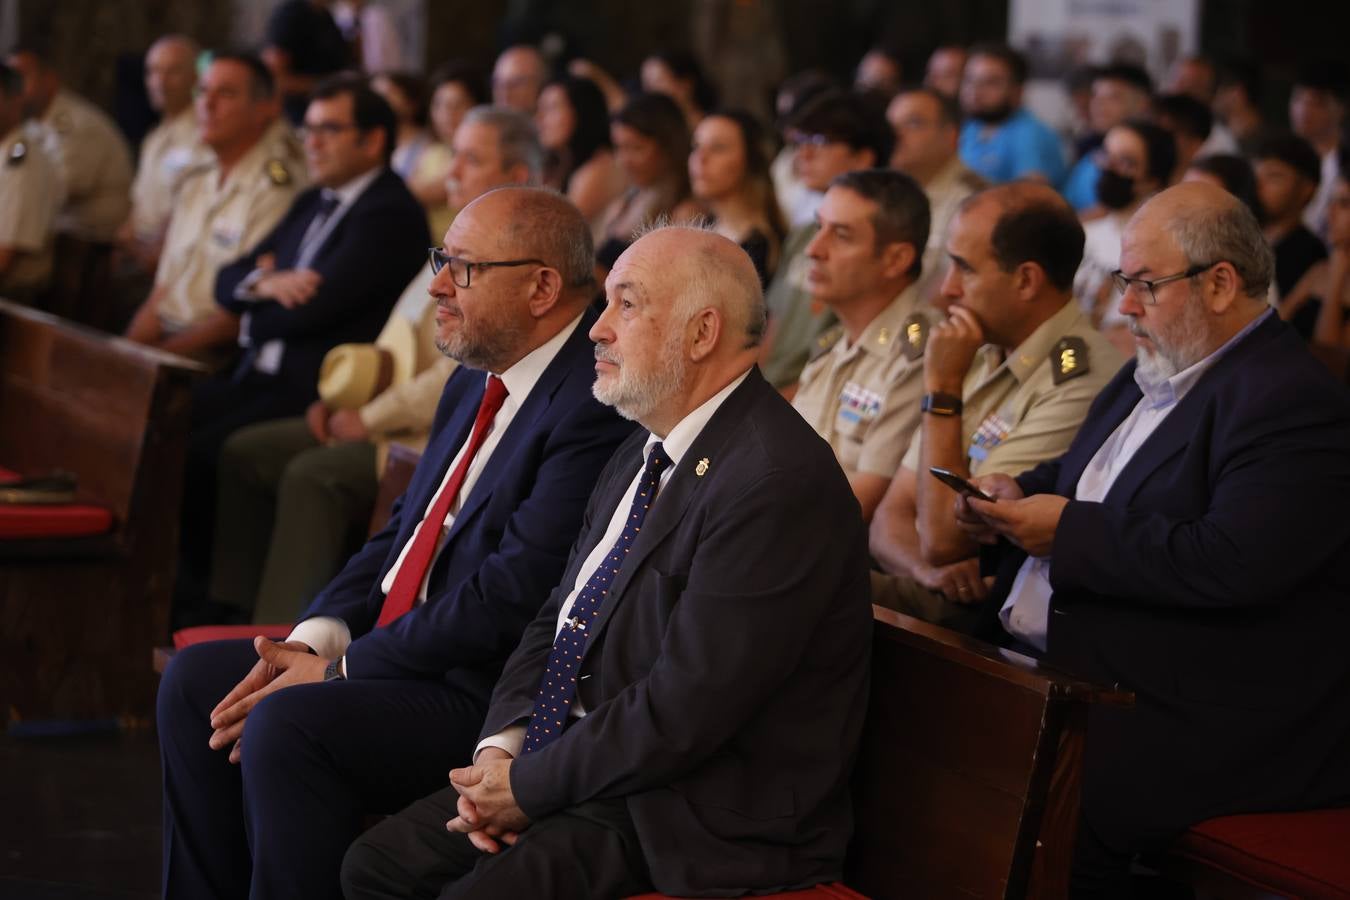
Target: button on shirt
x,y
1026,612
330,636
676,446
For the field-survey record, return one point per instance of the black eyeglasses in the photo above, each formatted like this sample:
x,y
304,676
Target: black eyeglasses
x,y
325,130
1123,282
462,269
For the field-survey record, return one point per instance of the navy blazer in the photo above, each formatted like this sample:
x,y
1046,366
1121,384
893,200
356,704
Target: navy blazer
x,y
1212,580
726,673
367,260
509,542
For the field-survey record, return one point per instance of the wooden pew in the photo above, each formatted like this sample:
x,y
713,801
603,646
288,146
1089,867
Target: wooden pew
x,y
78,615
968,778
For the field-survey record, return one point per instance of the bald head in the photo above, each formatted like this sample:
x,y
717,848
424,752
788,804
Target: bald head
x,y
1210,225
171,74
683,315
545,225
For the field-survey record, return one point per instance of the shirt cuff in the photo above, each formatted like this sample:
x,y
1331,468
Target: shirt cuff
x,y
244,289
328,635
510,739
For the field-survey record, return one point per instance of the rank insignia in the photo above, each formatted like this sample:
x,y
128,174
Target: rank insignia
x,y
916,336
1069,359
277,171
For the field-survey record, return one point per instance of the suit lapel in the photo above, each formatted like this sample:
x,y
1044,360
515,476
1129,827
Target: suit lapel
x,y
453,436
679,492
523,422
1096,430
1174,432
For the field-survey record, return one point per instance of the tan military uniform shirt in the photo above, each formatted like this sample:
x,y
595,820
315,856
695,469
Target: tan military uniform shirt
x,y
863,398
168,153
30,197
95,166
945,193
215,222
795,318
1026,409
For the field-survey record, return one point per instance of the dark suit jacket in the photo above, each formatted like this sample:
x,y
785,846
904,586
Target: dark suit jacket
x,y
509,541
727,671
1212,582
371,254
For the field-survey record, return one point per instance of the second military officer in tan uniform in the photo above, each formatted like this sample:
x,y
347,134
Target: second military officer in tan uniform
x,y
1008,379
223,209
861,391
30,195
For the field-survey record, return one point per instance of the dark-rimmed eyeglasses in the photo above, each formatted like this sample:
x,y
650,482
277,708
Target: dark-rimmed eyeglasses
x,y
325,130
461,270
1123,282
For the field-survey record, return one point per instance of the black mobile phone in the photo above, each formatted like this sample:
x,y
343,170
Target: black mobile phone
x,y
958,484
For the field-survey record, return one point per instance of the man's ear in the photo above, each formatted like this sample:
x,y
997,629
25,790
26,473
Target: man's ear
x,y
1028,280
1222,288
898,258
546,290
705,330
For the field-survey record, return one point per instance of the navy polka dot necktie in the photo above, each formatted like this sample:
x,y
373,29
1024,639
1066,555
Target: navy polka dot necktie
x,y
559,685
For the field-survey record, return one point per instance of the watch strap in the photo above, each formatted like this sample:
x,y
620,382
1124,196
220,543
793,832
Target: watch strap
x,y
940,404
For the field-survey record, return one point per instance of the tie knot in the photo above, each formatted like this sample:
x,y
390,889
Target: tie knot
x,y
657,461
328,201
495,394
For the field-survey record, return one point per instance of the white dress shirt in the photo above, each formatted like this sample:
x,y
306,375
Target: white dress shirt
x,y
676,445
330,636
1026,613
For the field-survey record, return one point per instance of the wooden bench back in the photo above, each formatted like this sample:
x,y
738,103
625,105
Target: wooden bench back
x,y
394,480
968,777
74,399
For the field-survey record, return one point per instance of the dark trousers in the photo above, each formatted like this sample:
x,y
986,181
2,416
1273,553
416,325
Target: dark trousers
x,y
588,852
317,759
220,406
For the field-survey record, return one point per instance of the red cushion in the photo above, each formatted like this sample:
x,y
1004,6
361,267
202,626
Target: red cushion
x,y
834,891
186,637
1301,854
56,520
19,521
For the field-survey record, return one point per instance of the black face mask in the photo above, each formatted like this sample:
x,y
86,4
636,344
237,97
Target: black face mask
x,y
1115,191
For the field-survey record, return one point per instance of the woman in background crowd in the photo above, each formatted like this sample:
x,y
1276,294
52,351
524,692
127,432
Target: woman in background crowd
x,y
729,175
407,94
456,88
1327,284
573,125
651,143
677,74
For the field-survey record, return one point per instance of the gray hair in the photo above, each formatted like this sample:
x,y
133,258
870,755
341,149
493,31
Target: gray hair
x,y
734,290
1206,235
516,136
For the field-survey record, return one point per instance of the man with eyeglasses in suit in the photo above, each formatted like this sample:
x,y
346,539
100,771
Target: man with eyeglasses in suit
x,y
384,683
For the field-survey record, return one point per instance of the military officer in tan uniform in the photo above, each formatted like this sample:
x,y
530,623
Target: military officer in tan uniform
x,y
30,195
927,127
224,208
861,390
1008,379
169,151
89,151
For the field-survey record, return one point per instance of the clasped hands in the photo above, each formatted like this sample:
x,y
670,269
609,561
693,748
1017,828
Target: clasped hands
x,y
487,808
1028,522
289,287
279,665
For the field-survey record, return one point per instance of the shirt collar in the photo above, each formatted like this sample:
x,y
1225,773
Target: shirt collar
x,y
1036,348
682,436
521,378
879,335
1179,385
348,193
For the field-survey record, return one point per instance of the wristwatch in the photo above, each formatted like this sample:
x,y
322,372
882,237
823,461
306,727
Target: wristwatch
x,y
333,671
941,404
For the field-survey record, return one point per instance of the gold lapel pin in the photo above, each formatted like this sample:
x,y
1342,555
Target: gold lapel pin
x,y
702,468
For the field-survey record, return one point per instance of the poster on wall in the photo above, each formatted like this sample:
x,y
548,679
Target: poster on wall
x,y
1061,36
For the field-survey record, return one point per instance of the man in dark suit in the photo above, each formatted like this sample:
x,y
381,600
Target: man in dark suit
x,y
1190,546
406,642
706,651
328,274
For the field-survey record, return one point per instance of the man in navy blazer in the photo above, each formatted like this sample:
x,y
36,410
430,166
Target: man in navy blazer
x,y
684,711
1191,547
365,706
329,273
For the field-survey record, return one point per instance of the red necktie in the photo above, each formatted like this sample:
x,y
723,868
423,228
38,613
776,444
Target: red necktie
x,y
403,593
